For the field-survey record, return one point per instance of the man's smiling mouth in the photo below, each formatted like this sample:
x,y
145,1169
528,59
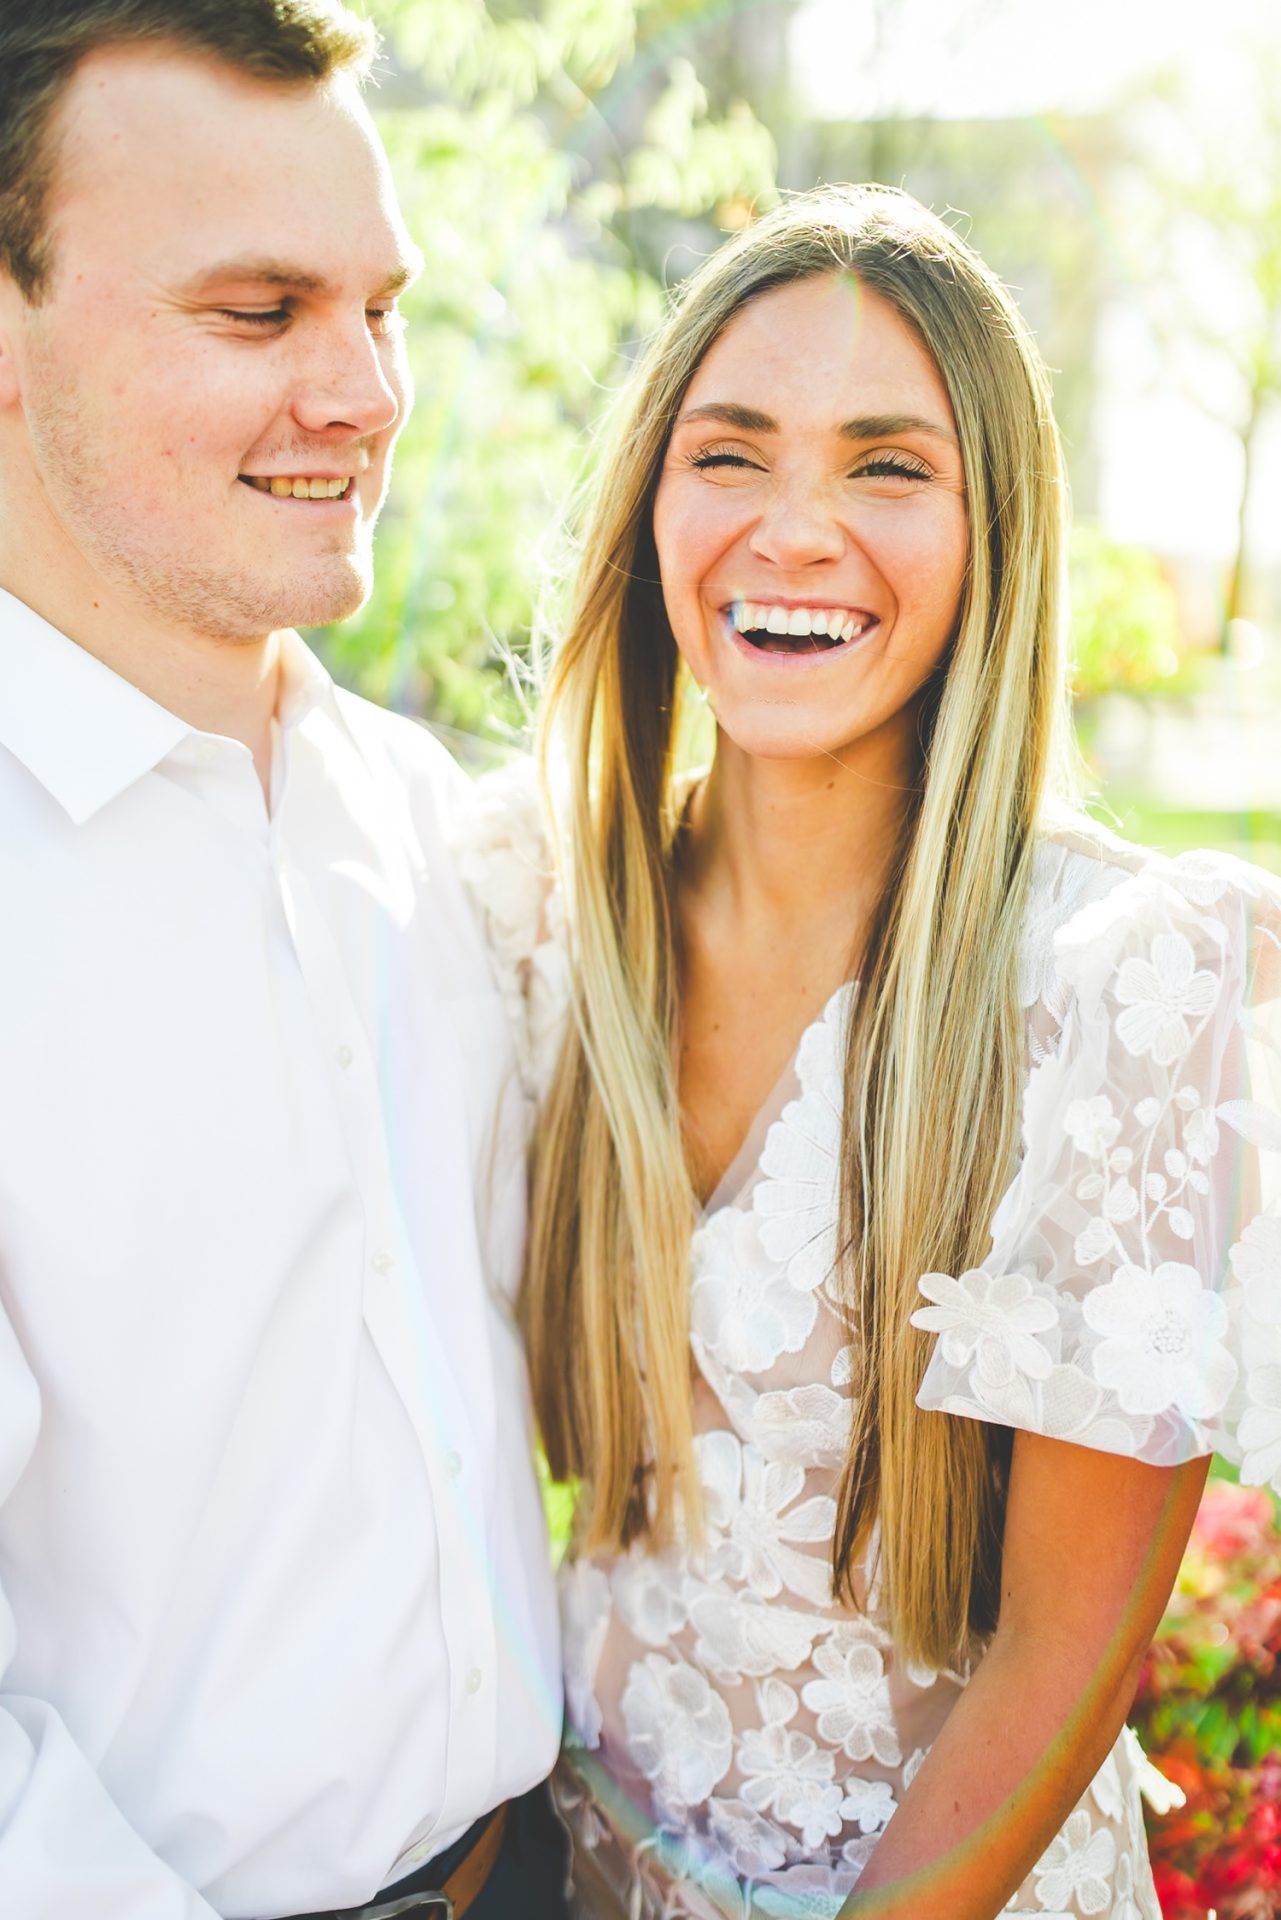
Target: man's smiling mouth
x,y
772,628
300,486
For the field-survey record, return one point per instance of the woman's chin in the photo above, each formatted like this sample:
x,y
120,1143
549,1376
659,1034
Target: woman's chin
x,y
783,732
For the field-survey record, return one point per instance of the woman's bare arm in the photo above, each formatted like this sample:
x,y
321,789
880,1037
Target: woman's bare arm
x,y
1092,1546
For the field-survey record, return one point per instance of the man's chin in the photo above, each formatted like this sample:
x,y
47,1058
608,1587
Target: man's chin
x,y
324,609
320,600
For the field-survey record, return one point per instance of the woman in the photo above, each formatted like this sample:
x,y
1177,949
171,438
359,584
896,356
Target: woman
x,y
887,1327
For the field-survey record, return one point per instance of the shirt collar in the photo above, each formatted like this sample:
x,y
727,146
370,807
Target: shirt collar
x,y
84,732
304,684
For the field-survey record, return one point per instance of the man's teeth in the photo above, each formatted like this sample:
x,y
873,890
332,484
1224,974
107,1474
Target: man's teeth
x,y
829,623
284,486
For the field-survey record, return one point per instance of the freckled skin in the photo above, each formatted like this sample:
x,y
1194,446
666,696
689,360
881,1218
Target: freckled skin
x,y
128,407
802,520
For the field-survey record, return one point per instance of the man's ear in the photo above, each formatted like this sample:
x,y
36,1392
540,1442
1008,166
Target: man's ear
x,y
13,310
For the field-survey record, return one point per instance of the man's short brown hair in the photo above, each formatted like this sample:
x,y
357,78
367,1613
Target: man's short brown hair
x,y
42,42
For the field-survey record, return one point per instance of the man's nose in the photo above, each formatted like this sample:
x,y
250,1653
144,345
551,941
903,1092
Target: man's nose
x,y
799,526
351,380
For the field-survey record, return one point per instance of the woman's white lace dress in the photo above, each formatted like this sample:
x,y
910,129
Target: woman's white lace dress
x,y
735,1741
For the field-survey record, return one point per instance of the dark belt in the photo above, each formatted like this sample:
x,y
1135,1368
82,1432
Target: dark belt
x,y
462,1885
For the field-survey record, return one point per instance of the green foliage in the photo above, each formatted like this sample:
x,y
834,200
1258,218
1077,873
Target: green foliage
x,y
1125,625
547,156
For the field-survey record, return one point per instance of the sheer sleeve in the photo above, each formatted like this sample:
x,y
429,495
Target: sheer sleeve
x,y
1131,1299
504,860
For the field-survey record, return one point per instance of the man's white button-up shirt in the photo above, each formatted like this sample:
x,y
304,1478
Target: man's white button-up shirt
x,y
275,1611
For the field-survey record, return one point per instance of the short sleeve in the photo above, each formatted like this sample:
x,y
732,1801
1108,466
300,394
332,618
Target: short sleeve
x,y
1131,1299
503,857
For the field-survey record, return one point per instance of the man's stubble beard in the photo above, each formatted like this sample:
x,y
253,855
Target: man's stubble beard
x,y
177,586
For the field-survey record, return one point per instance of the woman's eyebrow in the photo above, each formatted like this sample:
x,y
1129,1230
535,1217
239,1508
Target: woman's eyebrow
x,y
882,426
750,419
868,426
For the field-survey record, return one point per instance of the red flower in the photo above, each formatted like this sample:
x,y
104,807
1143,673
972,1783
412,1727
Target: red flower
x,y
1233,1520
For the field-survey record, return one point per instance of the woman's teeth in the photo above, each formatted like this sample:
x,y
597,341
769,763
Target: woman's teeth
x,y
284,486
835,625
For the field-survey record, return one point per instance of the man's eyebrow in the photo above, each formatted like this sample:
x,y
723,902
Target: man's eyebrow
x,y
869,426
265,272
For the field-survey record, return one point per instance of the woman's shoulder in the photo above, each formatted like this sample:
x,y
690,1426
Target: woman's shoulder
x,y
1097,899
502,851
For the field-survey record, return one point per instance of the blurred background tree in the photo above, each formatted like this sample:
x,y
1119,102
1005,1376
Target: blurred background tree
x,y
1207,215
547,159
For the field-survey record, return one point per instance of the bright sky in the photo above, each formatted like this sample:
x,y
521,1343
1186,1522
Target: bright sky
x,y
993,57
1170,477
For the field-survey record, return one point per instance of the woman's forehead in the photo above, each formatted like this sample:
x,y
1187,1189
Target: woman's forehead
x,y
825,348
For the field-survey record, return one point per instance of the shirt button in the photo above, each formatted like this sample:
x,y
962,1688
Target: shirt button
x,y
382,1261
453,1465
472,1682
344,1056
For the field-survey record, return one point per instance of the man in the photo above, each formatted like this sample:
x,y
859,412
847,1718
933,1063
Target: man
x,y
276,1625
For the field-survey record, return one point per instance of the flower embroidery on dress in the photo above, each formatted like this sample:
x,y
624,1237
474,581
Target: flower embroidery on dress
x,y
1162,1342
1078,1865
1260,1428
1091,1125
742,1636
1160,995
650,1594
787,1771
992,1319
748,1841
1256,1261
868,1804
802,1892
809,1425
851,1700
745,1310
584,1609
751,1535
797,1204
678,1730
1066,1405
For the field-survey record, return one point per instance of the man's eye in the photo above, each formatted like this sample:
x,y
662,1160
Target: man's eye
x,y
258,317
385,320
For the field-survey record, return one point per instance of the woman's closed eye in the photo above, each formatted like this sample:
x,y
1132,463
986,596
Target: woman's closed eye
x,y
880,466
710,457
892,466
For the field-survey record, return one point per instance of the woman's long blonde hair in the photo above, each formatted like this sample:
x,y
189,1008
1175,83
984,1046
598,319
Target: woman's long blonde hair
x,y
936,1046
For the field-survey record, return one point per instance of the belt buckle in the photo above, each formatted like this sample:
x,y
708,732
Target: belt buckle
x,y
437,1904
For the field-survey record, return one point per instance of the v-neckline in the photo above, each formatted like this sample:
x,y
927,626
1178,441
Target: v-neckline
x,y
745,1161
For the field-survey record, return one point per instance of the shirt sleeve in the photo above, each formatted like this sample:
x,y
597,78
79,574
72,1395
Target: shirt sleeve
x,y
65,1847
1131,1299
504,859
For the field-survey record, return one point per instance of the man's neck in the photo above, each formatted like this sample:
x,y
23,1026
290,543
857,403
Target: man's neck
x,y
218,685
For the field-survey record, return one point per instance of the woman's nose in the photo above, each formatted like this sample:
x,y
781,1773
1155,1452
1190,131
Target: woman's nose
x,y
798,527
